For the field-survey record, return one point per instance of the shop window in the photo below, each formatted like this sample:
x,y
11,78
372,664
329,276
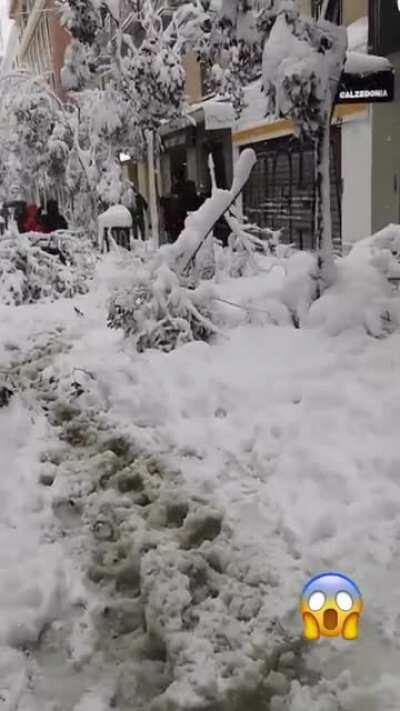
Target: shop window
x,y
384,26
281,190
333,13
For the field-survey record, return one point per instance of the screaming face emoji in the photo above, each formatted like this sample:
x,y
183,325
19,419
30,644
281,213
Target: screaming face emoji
x,y
331,605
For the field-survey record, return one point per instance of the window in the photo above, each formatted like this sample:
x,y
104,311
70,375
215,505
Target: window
x,y
384,27
316,6
333,12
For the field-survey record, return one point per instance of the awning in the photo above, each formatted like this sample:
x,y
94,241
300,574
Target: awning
x,y
216,114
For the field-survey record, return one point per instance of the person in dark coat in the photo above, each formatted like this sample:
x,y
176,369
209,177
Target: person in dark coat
x,y
15,209
191,199
32,222
141,208
53,220
188,201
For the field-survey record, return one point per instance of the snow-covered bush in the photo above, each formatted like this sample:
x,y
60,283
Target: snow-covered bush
x,y
247,247
159,312
30,272
382,250
299,285
361,298
192,255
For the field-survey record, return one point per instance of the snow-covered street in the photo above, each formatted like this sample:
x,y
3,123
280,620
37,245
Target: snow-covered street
x,y
162,512
199,355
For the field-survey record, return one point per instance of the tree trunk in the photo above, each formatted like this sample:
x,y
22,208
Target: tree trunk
x,y
152,189
323,212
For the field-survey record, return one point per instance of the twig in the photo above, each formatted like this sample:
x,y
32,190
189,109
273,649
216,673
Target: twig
x,y
205,321
244,308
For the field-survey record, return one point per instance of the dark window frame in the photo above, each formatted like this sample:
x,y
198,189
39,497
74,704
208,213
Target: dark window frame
x,y
281,189
334,12
384,19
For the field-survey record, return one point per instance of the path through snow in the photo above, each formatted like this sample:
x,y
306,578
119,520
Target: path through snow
x,y
290,435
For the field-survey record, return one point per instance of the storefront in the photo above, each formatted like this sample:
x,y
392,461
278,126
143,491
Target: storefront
x,y
186,148
365,158
384,39
281,189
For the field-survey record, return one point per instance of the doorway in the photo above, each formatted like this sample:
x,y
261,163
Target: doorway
x,y
178,162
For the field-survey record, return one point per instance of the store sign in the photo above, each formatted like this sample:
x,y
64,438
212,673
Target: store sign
x,y
182,139
369,89
218,115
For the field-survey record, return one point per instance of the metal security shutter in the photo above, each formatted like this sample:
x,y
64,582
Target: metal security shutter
x,y
281,190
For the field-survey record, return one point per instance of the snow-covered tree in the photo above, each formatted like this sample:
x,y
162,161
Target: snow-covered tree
x,y
231,49
125,73
35,138
302,63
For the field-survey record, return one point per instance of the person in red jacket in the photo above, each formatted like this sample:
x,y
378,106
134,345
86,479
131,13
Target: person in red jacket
x,y
32,221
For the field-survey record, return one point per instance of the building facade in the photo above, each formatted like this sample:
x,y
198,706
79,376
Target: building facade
x,y
42,40
365,147
365,167
281,190
384,126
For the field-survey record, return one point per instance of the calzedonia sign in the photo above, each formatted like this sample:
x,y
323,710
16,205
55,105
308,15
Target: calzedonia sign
x,y
369,89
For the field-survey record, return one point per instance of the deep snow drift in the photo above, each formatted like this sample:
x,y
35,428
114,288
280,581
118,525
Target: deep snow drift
x,y
162,512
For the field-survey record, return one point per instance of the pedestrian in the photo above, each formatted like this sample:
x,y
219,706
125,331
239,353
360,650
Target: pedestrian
x,y
137,206
31,220
191,199
188,201
14,210
140,213
52,220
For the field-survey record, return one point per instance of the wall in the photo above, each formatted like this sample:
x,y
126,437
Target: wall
x,y
304,7
385,164
356,173
8,63
60,39
193,77
351,9
354,9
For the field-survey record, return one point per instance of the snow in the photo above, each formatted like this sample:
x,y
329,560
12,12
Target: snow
x,y
200,223
255,107
254,111
357,35
382,250
274,457
114,216
358,60
296,73
360,63
218,115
